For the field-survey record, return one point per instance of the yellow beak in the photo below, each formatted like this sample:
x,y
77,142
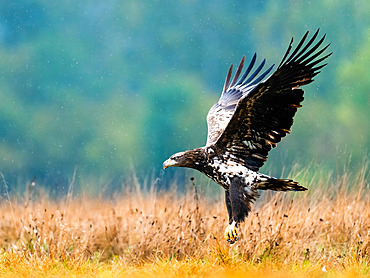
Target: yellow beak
x,y
168,163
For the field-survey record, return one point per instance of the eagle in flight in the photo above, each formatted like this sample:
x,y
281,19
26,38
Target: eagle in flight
x,y
249,119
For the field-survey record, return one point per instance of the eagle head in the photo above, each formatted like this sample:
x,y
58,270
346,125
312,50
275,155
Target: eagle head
x,y
189,159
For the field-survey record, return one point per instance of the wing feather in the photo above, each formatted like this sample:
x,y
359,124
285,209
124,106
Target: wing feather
x,y
227,80
238,71
264,112
221,112
251,64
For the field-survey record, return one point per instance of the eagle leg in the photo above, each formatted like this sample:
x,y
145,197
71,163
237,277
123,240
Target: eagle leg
x,y
231,233
228,206
238,202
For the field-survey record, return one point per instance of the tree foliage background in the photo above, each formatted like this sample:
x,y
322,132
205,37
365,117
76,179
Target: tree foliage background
x,y
104,86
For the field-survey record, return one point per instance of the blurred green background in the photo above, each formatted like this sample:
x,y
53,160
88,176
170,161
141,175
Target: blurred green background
x,y
105,87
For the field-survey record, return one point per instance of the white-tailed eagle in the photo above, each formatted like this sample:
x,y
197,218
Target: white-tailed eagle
x,y
250,118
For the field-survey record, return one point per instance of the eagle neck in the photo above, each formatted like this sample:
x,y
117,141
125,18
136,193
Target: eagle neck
x,y
195,159
204,159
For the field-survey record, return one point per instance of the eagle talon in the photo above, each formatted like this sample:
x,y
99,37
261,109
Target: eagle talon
x,y
231,233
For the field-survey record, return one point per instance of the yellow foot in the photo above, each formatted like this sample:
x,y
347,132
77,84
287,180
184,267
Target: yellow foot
x,y
231,233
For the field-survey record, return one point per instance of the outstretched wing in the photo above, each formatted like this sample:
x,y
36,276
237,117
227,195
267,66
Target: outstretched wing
x,y
221,112
264,114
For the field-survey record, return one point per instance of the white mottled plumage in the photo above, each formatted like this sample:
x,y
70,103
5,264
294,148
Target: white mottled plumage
x,y
220,117
227,169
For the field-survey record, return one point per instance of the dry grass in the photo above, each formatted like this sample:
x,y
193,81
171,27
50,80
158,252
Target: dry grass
x,y
147,232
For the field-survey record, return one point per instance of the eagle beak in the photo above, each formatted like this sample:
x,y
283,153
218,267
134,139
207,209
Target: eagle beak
x,y
168,163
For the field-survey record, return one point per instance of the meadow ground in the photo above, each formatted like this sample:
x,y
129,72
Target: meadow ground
x,y
323,232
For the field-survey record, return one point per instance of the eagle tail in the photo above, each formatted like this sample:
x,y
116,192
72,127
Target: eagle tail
x,y
269,183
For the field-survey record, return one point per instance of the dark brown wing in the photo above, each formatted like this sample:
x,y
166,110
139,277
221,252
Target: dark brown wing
x,y
265,114
221,112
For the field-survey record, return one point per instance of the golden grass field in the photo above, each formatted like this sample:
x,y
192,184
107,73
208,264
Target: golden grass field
x,y
323,232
